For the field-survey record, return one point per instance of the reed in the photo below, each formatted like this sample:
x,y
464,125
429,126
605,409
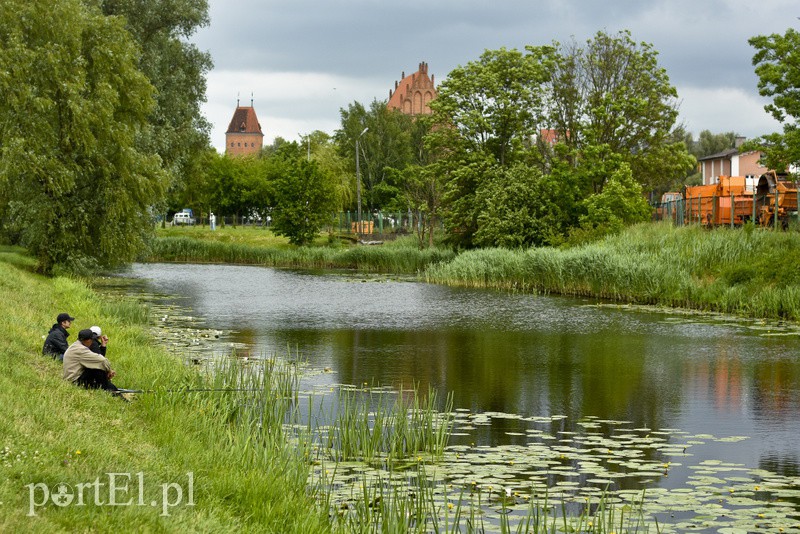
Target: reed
x,y
372,426
752,272
393,259
419,504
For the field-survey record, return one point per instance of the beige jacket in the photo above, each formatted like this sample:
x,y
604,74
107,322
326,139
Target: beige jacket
x,y
78,357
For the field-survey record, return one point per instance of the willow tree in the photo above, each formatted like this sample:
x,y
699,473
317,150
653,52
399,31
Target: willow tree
x,y
76,186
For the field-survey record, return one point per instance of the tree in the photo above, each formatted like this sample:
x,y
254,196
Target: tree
x,y
777,65
621,203
177,70
612,92
484,115
305,202
78,186
495,103
387,144
709,143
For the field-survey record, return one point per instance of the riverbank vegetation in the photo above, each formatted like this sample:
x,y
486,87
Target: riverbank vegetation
x,y
250,458
751,272
400,257
54,433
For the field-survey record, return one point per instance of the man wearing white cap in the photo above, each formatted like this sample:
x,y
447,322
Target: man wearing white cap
x,y
100,341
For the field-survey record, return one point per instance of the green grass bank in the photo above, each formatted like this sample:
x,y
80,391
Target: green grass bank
x,y
750,271
252,246
53,433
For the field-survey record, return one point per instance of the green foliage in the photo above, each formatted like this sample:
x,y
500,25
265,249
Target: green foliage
x,y
77,185
620,204
386,147
777,65
613,93
305,201
576,114
709,143
515,208
496,102
396,257
753,273
177,70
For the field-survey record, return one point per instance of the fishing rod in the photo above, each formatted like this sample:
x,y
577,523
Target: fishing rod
x,y
186,390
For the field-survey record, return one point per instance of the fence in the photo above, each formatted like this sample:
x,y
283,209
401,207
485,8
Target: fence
x,y
776,209
377,223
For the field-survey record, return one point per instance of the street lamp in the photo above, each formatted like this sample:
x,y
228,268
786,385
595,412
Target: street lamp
x,y
358,181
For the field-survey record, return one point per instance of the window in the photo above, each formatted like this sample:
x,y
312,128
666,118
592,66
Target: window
x,y
231,144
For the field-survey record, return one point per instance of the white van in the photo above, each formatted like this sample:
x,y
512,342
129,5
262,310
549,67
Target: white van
x,y
182,218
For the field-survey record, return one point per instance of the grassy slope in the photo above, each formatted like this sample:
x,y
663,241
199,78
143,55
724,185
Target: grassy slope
x,y
45,422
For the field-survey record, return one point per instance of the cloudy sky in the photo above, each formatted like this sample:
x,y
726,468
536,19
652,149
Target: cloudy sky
x,y
304,60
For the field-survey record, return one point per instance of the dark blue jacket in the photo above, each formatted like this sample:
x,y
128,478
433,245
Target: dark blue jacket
x,y
56,343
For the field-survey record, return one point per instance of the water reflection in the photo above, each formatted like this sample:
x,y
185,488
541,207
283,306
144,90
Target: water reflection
x,y
524,354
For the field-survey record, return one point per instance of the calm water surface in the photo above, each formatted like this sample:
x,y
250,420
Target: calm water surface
x,y
521,354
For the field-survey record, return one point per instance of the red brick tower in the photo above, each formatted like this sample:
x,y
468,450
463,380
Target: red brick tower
x,y
244,136
413,93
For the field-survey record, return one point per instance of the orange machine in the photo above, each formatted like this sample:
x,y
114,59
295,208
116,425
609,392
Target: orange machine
x,y
728,202
725,203
775,196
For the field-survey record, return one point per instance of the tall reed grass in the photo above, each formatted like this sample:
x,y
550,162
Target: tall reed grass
x,y
387,258
747,271
368,426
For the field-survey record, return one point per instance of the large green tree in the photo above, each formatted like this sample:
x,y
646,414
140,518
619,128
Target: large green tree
x,y
582,114
386,145
77,185
495,104
177,69
777,64
613,92
485,115
305,201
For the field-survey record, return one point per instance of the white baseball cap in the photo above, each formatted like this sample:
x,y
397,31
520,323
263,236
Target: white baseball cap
x,y
96,330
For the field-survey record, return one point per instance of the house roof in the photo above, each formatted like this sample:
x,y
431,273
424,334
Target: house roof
x,y
244,121
724,154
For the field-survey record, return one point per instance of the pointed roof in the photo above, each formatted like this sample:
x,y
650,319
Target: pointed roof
x,y
244,121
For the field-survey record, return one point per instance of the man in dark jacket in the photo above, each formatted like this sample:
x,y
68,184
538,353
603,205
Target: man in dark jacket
x,y
56,344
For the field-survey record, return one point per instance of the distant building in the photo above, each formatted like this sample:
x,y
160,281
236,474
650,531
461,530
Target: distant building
x,y
731,163
244,136
413,94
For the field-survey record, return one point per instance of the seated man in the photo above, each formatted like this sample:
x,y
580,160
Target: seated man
x,y
100,343
86,368
55,345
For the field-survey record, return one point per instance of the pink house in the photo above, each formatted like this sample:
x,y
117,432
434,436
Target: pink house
x,y
731,163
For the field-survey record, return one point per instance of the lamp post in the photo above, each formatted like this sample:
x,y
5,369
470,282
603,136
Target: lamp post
x,y
358,181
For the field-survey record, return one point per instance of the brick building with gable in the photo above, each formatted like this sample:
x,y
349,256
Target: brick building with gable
x,y
244,136
413,94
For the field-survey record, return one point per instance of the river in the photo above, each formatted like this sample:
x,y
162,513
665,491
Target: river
x,y
728,387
